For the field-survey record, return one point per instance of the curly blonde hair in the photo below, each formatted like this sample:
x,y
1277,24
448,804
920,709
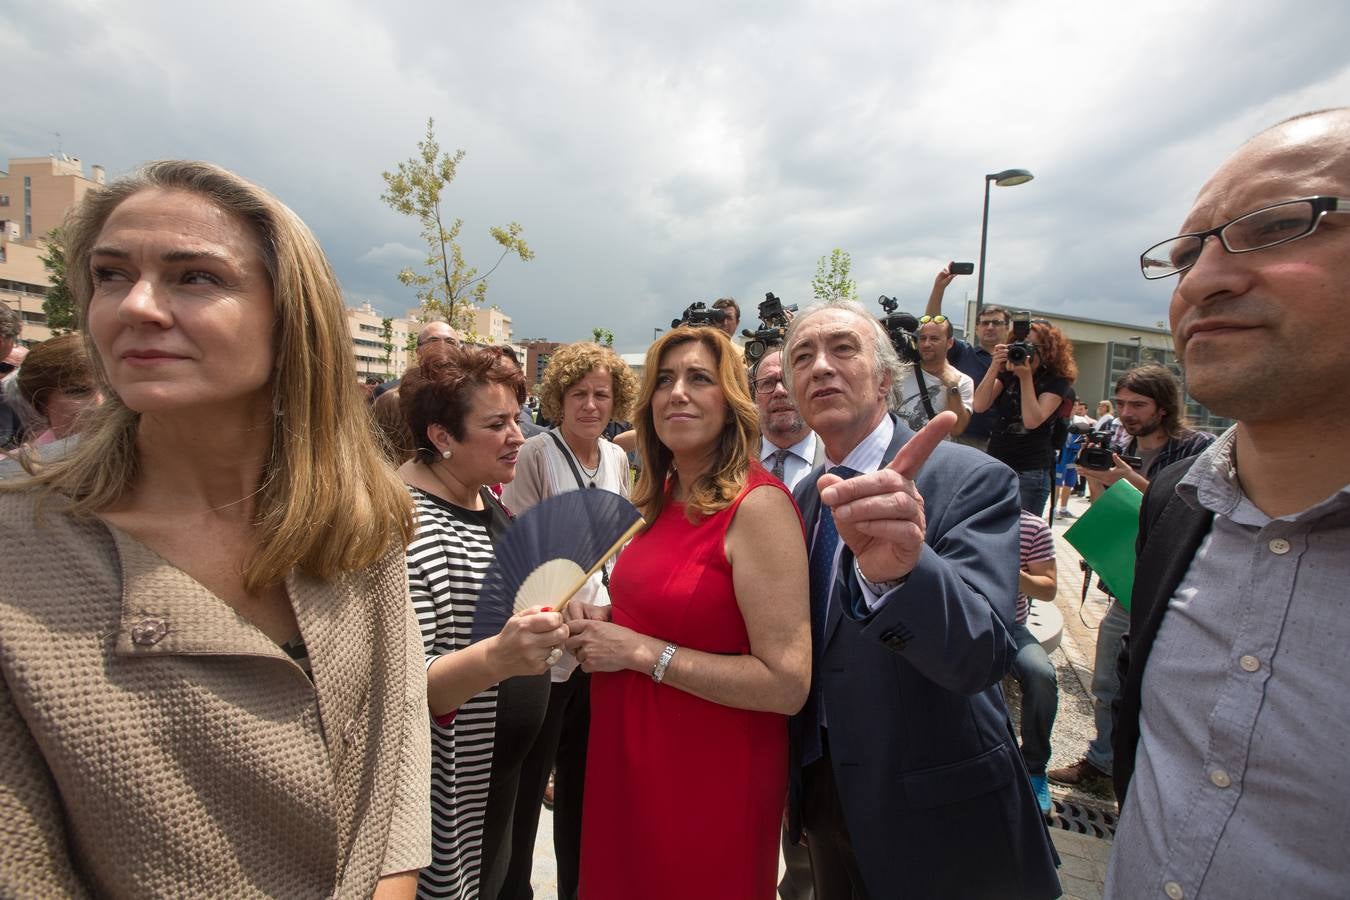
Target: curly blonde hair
x,y
738,444
574,362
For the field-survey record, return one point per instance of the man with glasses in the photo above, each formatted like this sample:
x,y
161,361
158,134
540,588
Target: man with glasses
x,y
1234,715
993,327
788,448
944,385
433,334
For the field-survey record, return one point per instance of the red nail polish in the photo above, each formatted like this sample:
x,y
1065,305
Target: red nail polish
x,y
546,609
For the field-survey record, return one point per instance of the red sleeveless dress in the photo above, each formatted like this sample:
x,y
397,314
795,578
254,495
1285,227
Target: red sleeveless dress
x,y
684,797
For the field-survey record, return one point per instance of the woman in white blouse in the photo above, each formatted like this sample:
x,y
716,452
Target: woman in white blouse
x,y
584,387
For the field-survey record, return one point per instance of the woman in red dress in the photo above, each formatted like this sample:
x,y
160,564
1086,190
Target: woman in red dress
x,y
707,652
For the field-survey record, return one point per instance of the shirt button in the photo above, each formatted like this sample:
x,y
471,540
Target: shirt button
x,y
1173,890
1249,663
1220,778
149,631
1280,546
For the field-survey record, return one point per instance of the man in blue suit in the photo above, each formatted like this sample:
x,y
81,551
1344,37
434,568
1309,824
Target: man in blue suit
x,y
906,777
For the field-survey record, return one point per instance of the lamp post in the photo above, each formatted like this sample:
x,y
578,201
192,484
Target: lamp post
x,y
1006,178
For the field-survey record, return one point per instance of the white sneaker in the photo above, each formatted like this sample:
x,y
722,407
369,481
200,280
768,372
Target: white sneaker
x,y
1064,514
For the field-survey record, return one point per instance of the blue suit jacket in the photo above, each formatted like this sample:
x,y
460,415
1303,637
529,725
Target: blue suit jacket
x,y
932,783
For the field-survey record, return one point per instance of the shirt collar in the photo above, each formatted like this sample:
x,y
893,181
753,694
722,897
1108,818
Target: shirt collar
x,y
871,450
803,449
1213,484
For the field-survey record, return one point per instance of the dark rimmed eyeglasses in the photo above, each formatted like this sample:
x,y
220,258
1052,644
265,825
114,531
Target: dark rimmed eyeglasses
x,y
767,385
989,323
1268,226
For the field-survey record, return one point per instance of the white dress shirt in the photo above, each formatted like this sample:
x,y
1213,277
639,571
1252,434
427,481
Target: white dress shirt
x,y
796,464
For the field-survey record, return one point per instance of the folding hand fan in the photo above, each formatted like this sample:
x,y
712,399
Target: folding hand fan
x,y
548,553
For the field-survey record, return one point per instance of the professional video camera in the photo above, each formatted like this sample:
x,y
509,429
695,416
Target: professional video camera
x,y
1096,453
697,313
773,318
1020,350
900,328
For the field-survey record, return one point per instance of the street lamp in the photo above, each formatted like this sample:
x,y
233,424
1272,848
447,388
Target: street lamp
x,y
1006,178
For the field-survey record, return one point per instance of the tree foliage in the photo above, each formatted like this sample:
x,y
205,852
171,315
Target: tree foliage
x,y
603,336
832,277
448,287
57,303
387,335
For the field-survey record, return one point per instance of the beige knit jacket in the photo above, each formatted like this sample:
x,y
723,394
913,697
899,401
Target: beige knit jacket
x,y
154,743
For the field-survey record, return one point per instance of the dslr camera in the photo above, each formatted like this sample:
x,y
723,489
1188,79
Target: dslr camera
x,y
1021,350
1096,453
900,328
773,319
697,313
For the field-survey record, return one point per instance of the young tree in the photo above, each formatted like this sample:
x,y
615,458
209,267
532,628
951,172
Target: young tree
x,y
387,333
57,303
603,336
449,287
832,277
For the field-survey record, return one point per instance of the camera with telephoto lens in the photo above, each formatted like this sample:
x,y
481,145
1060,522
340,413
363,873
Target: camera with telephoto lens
x,y
773,318
900,328
1096,453
697,313
1021,350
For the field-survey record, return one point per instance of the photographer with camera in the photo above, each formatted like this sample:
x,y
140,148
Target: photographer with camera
x,y
1148,401
1149,409
1027,382
933,384
992,327
731,320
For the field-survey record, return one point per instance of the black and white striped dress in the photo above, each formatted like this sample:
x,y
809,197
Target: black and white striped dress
x,y
472,757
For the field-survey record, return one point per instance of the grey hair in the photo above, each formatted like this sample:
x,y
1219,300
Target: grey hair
x,y
887,361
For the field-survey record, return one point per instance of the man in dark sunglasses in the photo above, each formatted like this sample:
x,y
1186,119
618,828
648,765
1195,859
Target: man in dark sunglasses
x,y
993,327
1234,713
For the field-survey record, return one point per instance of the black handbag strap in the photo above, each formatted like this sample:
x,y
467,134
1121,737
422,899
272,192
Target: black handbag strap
x,y
923,392
581,484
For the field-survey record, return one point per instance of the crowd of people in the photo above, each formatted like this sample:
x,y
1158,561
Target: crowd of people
x,y
235,628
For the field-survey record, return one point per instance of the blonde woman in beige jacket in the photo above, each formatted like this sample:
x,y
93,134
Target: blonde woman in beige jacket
x,y
212,678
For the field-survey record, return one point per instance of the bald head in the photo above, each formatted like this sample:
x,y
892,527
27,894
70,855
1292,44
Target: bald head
x,y
436,333
1282,301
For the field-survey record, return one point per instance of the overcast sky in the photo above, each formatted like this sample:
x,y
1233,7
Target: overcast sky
x,y
660,154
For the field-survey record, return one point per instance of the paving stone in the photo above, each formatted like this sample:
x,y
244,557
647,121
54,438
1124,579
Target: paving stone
x,y
1080,888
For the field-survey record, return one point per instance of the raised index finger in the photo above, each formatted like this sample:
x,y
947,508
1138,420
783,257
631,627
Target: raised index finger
x,y
916,451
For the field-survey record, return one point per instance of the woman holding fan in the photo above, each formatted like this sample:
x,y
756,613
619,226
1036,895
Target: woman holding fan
x,y
487,699
585,386
707,652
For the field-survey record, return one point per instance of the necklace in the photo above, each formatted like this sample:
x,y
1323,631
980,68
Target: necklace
x,y
591,474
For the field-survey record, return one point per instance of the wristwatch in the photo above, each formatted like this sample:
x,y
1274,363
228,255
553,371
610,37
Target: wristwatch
x,y
659,670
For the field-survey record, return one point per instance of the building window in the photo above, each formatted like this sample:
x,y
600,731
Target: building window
x,y
4,199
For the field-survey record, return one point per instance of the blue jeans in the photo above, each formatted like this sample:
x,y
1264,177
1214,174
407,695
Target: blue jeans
x,y
1105,685
1034,488
1040,698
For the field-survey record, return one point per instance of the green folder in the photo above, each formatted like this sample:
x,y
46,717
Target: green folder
x,y
1105,537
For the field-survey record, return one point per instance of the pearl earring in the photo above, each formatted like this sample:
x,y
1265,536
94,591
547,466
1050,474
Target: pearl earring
x,y
446,454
